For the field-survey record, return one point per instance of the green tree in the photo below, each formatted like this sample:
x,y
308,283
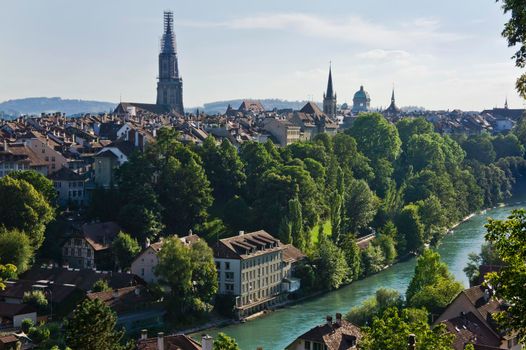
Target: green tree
x,y
515,32
38,300
432,285
223,167
375,306
41,183
386,244
372,259
408,127
507,237
7,271
433,216
140,221
480,148
360,206
92,327
101,286
296,224
24,208
332,269
410,230
184,193
375,136
391,332
190,272
16,249
224,342
353,256
125,249
507,146
487,256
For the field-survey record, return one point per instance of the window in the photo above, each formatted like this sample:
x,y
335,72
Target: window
x,y
307,345
142,271
218,265
229,287
79,253
229,275
227,265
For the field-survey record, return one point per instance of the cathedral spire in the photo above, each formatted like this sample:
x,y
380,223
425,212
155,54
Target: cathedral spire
x,y
330,90
170,84
168,40
329,98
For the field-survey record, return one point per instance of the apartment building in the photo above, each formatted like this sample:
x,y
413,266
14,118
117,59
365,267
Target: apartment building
x,y
254,269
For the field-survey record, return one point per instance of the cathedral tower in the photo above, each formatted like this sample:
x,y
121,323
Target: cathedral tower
x,y
170,85
329,98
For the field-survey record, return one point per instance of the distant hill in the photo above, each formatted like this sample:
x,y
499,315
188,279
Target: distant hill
x,y
269,104
37,105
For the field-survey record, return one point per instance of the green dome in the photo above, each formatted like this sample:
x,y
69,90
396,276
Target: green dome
x,y
362,94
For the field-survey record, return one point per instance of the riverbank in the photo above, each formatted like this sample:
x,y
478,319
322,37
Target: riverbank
x,y
297,303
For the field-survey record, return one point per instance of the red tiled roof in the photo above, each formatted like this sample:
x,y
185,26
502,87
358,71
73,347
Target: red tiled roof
x,y
100,235
171,342
334,336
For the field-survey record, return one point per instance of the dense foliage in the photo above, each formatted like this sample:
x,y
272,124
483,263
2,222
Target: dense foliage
x,y
392,329
191,274
92,327
509,242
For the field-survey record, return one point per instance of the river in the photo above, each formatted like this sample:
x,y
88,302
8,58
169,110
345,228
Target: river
x,y
280,328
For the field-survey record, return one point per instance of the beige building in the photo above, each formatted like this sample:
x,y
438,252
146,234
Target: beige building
x,y
145,263
469,318
255,270
282,130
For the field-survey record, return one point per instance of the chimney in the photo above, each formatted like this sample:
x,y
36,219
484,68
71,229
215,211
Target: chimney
x,y
329,321
5,145
207,342
160,341
241,233
411,342
339,319
115,293
147,243
144,334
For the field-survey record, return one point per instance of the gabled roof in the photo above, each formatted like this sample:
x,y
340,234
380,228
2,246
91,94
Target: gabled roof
x,y
247,245
312,108
11,310
123,299
100,235
148,107
335,336
171,342
83,279
469,330
66,174
252,106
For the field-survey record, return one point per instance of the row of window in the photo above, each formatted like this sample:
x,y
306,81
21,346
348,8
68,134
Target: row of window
x,y
259,260
275,278
263,293
78,251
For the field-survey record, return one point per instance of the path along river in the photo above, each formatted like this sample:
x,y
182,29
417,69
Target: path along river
x,y
278,329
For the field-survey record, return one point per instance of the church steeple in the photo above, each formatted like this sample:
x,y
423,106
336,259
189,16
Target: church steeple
x,y
506,103
170,85
329,98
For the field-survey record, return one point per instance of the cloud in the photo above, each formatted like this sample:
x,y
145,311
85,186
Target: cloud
x,y
351,29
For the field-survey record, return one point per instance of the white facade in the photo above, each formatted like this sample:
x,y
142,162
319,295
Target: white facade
x,y
144,265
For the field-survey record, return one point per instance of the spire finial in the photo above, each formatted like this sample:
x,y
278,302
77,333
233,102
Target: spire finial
x,y
506,103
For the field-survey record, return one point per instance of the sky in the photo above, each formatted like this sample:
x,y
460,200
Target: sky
x,y
437,54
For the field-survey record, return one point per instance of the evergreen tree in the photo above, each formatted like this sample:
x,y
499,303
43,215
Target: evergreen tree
x,y
92,327
296,224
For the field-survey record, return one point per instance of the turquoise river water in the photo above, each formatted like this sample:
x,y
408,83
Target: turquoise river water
x,y
278,329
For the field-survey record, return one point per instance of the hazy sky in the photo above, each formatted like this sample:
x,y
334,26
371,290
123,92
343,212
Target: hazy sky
x,y
439,54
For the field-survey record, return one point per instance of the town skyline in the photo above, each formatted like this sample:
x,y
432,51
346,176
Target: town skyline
x,y
365,48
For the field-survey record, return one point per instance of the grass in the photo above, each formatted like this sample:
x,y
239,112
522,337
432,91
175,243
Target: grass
x,y
314,233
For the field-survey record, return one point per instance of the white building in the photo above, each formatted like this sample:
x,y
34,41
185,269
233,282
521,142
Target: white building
x,y
145,263
255,268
